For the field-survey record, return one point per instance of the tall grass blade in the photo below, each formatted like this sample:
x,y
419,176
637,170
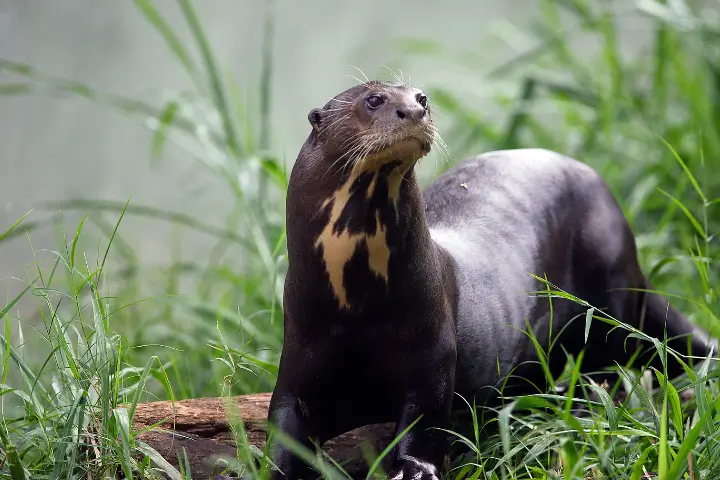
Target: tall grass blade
x,y
687,171
153,454
266,75
7,232
15,88
232,139
152,15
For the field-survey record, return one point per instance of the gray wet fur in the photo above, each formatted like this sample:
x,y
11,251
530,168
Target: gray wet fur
x,y
508,214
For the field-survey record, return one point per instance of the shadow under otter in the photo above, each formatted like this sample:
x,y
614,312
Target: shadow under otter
x,y
395,299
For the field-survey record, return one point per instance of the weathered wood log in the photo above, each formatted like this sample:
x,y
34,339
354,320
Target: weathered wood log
x,y
201,427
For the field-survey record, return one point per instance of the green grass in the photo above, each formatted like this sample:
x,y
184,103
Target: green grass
x,y
109,332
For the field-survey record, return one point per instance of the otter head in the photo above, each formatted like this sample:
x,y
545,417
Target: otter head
x,y
364,143
373,125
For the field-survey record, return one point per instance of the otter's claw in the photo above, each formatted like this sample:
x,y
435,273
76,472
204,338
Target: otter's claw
x,y
410,468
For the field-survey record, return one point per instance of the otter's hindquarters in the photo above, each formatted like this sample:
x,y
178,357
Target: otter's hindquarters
x,y
609,277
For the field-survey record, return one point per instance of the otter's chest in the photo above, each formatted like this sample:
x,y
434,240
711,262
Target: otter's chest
x,y
359,239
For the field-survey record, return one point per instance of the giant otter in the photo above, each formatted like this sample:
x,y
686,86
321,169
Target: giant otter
x,y
396,298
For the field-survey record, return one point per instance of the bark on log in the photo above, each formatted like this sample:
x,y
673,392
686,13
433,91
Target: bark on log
x,y
201,427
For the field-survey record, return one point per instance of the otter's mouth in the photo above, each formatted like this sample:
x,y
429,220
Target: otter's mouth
x,y
423,143
410,148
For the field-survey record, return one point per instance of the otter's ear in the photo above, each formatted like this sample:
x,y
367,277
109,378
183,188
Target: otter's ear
x,y
315,117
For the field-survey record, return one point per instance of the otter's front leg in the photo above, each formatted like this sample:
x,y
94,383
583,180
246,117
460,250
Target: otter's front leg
x,y
419,454
289,417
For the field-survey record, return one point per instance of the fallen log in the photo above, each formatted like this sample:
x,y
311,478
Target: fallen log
x,y
200,426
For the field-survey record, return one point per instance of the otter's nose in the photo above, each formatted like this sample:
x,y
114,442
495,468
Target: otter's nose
x,y
411,112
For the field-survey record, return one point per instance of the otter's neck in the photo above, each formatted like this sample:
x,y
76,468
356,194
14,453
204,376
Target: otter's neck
x,y
364,234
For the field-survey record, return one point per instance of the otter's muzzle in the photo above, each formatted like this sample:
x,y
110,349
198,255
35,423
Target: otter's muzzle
x,y
414,113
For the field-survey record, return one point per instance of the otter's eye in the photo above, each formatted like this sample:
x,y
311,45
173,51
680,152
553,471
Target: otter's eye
x,y
374,101
422,100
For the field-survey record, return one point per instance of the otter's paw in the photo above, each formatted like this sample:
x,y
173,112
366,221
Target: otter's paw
x,y
410,468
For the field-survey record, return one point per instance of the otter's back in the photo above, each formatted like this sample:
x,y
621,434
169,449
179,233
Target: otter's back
x,y
504,184
499,215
